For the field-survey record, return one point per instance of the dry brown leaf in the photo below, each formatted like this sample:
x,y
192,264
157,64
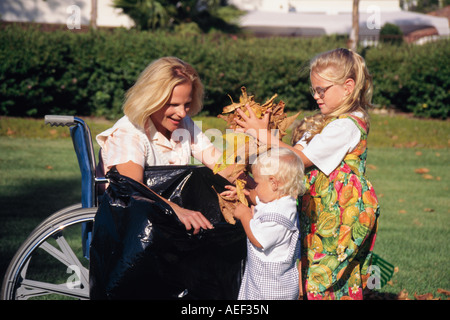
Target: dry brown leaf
x,y
446,292
240,186
426,296
428,177
227,207
402,211
428,210
403,295
411,144
278,118
422,170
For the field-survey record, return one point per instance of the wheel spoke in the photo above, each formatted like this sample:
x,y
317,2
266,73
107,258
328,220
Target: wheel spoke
x,y
73,259
32,288
66,256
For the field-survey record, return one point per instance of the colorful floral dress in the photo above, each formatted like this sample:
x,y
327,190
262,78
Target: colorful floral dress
x,y
338,221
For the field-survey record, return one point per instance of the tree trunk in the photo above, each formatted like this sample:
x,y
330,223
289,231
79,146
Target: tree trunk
x,y
354,34
94,14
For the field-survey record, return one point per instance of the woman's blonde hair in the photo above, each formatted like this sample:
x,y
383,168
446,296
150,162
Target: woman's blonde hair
x,y
285,166
337,66
154,87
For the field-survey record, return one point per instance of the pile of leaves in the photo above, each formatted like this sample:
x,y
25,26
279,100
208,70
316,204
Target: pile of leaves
x,y
241,148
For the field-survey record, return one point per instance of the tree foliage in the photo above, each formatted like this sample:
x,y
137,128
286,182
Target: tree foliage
x,y
423,5
168,14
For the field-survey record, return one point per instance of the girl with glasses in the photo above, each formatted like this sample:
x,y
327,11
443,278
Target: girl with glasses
x,y
339,212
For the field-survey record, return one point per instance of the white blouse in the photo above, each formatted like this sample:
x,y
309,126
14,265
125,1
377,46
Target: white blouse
x,y
125,142
328,148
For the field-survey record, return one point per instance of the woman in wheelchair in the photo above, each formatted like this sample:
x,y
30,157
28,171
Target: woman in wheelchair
x,y
157,128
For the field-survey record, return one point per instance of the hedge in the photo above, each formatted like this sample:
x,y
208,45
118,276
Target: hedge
x,y
87,74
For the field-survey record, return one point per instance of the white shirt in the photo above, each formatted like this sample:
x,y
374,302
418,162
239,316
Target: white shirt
x,y
273,237
124,142
328,148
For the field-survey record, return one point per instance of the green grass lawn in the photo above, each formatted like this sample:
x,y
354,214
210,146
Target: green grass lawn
x,y
39,175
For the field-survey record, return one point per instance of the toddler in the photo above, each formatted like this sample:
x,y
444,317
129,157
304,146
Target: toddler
x,y
273,237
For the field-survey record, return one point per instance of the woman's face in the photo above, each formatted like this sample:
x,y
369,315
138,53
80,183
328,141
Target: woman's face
x,y
332,98
168,118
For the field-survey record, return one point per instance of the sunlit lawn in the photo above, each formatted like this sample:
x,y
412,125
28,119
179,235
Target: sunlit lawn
x,y
39,175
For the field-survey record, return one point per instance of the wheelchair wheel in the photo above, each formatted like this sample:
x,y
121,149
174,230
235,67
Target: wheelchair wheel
x,y
50,263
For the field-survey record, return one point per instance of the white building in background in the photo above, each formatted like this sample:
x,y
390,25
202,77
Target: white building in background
x,y
313,6
326,17
68,12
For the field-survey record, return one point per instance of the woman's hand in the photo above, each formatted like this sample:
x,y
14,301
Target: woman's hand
x,y
191,219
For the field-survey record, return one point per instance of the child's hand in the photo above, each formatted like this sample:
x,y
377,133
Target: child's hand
x,y
230,193
242,211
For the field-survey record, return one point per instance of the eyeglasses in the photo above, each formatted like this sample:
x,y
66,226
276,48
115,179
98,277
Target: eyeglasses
x,y
319,90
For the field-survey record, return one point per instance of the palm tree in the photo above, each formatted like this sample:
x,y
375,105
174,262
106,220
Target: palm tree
x,y
153,14
146,14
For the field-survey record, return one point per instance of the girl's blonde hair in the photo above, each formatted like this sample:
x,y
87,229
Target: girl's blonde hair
x,y
285,166
337,66
154,87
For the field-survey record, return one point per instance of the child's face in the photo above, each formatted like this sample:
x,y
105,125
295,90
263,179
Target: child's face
x,y
332,98
168,118
265,187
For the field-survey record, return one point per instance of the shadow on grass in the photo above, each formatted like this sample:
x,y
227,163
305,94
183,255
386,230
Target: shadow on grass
x,y
25,210
376,295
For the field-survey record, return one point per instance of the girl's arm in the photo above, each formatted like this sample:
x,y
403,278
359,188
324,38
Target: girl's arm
x,y
191,219
245,214
258,128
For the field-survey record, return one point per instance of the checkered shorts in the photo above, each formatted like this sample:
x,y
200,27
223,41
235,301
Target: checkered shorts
x,y
272,280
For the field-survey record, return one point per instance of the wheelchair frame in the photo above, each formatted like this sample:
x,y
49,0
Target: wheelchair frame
x,y
48,238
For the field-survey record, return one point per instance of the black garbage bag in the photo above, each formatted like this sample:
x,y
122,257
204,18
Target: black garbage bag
x,y
140,249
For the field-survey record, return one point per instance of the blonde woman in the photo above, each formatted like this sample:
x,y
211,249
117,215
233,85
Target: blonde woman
x,y
157,129
340,210
271,226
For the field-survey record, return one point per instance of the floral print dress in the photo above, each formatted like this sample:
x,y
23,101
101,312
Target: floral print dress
x,y
338,221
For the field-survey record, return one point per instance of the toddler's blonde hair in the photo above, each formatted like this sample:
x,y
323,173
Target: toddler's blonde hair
x,y
154,87
285,166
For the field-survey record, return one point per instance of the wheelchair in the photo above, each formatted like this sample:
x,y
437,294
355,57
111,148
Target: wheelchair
x,y
56,241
